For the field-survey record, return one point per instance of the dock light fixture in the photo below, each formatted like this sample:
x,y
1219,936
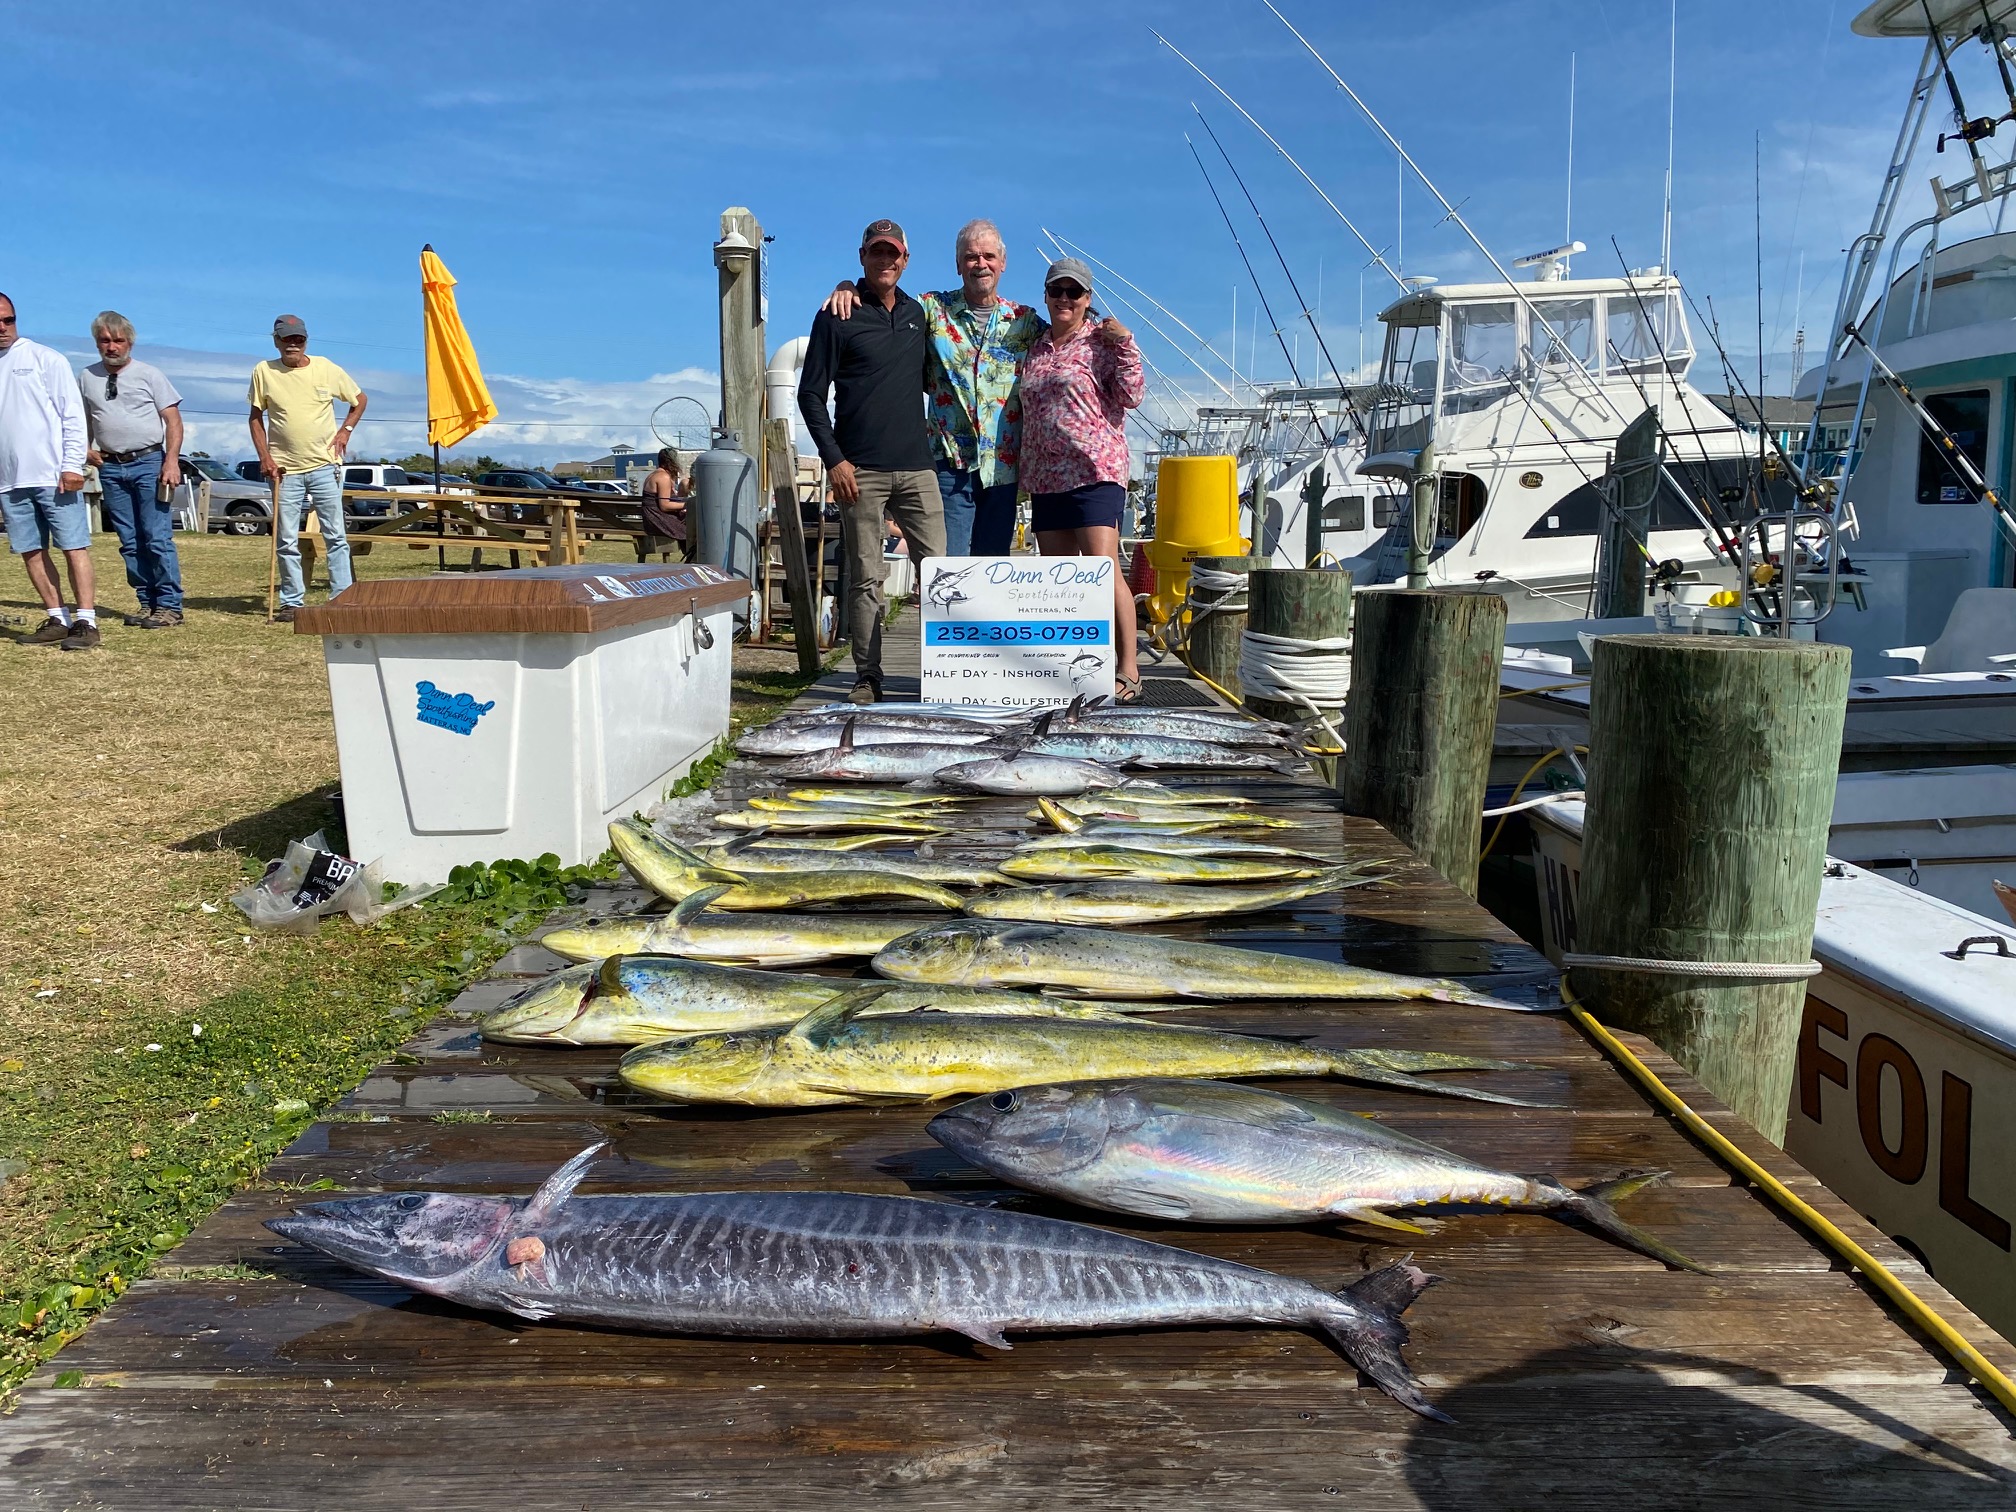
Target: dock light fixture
x,y
733,252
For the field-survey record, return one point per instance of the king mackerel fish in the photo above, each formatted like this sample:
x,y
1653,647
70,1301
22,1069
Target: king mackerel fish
x,y
832,1265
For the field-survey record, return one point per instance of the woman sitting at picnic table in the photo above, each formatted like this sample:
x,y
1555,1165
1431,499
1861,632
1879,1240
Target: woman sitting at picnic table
x,y
1078,382
665,506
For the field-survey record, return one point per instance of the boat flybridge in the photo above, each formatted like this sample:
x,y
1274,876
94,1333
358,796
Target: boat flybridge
x,y
1517,394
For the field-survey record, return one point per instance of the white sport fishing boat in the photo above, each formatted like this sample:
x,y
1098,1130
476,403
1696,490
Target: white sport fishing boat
x,y
1518,393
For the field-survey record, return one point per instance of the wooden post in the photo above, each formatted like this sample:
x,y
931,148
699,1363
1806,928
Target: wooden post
x,y
1305,603
783,468
1620,560
1213,643
1712,763
741,277
1418,726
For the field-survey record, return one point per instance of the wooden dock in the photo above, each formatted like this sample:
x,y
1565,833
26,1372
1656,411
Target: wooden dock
x,y
248,1373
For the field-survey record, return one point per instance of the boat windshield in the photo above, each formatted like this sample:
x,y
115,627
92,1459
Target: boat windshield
x,y
1405,395
1574,338
1646,332
1483,354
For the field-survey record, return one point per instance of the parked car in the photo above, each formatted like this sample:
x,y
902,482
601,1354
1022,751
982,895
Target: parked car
x,y
237,506
600,485
383,475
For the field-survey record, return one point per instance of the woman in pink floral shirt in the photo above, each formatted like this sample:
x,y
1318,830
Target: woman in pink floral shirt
x,y
1078,382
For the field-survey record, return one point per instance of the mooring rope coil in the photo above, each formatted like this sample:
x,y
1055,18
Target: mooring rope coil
x,y
1295,670
1229,597
1756,971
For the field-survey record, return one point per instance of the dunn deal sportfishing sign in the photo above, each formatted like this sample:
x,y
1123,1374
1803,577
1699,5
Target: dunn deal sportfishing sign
x,y
1017,630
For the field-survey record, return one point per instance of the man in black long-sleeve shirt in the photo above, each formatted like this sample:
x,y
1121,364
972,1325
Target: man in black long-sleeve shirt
x,y
878,452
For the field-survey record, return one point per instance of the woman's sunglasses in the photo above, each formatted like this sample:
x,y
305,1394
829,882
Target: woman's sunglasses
x,y
1065,291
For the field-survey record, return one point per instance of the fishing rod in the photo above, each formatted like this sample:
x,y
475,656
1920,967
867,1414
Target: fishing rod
x,y
1377,256
1286,272
1451,211
1063,243
1275,326
1955,454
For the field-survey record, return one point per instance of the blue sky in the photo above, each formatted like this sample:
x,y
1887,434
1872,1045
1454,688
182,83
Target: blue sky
x,y
203,167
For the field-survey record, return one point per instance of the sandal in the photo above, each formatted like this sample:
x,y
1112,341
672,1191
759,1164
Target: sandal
x,y
1126,690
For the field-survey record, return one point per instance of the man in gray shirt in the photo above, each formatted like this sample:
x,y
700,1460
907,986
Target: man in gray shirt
x,y
135,420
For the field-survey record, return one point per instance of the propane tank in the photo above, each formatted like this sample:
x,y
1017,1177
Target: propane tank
x,y
723,510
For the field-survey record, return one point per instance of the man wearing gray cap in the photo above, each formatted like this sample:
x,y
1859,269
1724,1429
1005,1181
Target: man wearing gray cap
x,y
294,430
877,447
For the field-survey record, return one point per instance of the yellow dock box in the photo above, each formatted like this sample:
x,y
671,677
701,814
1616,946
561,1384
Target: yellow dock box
x,y
1196,514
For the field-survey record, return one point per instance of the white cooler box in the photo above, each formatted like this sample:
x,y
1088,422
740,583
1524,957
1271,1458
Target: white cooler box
x,y
481,716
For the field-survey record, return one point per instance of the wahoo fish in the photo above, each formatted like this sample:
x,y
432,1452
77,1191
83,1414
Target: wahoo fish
x,y
798,739
1142,902
1023,774
736,939
991,713
1119,748
1184,724
1211,1152
638,999
752,861
1086,862
825,1265
909,762
840,1054
676,873
1113,963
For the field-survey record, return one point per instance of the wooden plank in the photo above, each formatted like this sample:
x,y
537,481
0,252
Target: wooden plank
x,y
558,600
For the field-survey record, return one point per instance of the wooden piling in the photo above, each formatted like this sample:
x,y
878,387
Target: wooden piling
x,y
1418,726
1309,604
1620,563
1213,644
781,462
1712,764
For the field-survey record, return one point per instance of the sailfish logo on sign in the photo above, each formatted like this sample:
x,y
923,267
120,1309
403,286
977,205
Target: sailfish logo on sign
x,y
947,587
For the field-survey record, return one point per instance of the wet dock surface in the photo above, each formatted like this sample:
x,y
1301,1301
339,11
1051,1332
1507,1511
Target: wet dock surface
x,y
250,1373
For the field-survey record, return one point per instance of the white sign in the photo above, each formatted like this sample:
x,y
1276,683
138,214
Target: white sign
x,y
1017,630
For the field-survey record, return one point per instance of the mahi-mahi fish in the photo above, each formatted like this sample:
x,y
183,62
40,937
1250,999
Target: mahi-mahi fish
x,y
839,1054
1116,901
637,999
824,1265
676,873
1116,963
1215,1152
739,939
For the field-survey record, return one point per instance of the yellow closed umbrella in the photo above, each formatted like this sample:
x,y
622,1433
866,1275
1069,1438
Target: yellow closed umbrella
x,y
458,401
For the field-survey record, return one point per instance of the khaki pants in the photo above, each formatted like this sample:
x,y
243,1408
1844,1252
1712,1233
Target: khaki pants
x,y
911,499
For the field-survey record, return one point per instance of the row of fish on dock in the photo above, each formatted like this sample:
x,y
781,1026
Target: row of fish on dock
x,y
1035,1003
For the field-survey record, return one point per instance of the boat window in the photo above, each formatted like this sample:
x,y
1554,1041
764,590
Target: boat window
x,y
1965,416
1386,509
1460,505
1410,362
1645,326
1346,512
1574,340
1483,346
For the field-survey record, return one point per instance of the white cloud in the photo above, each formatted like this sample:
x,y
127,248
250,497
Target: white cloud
x,y
541,420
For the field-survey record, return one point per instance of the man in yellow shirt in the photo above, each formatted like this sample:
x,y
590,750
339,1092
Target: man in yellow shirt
x,y
294,430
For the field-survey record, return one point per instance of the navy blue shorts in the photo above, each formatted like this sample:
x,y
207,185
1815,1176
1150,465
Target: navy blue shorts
x,y
1077,508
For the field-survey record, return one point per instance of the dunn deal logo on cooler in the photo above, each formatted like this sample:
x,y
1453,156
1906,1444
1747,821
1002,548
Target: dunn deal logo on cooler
x,y
450,711
1017,630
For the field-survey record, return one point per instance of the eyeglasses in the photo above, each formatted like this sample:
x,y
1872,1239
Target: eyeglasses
x,y
1065,291
293,341
112,384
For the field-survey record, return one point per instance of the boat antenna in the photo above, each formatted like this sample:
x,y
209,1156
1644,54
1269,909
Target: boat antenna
x,y
1233,231
1294,288
1568,214
1757,224
1377,256
1672,85
1451,212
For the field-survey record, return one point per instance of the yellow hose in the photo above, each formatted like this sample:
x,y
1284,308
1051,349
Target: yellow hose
x,y
1499,828
1944,1334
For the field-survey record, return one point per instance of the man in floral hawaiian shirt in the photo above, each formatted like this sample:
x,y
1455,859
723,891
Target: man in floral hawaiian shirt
x,y
972,378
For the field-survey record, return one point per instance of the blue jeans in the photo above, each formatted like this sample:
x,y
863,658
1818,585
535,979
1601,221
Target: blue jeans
x,y
146,530
321,487
978,521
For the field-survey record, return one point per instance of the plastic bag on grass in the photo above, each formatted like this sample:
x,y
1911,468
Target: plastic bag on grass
x,y
687,821
311,881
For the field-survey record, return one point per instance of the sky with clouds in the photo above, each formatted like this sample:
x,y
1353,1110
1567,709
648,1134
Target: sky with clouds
x,y
204,167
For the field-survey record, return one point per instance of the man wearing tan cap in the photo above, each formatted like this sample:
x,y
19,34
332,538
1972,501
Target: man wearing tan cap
x,y
876,444
294,430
